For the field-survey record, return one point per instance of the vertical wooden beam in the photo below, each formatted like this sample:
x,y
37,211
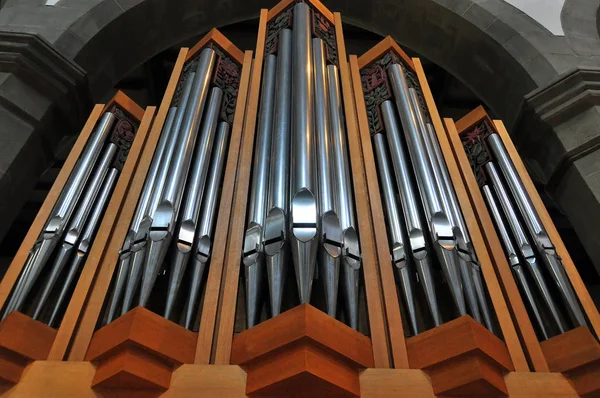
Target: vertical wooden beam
x,y
508,328
233,255
107,227
395,327
108,259
377,273
582,293
14,270
496,252
215,273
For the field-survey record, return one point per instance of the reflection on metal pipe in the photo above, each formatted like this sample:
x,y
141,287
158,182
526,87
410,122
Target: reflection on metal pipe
x,y
395,231
442,234
165,216
330,249
536,229
523,244
138,247
207,220
253,256
513,258
344,200
187,225
85,244
452,209
276,248
303,209
61,214
141,211
75,229
418,246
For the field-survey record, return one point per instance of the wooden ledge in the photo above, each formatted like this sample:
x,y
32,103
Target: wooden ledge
x,y
139,351
283,4
381,48
576,354
302,353
462,358
127,104
219,38
22,341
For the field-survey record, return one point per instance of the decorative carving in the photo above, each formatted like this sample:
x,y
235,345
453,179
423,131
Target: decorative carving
x,y
322,28
325,30
226,76
377,89
122,135
283,20
474,142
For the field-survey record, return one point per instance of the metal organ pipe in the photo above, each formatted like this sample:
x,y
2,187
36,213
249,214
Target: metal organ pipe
x,y
140,243
207,220
253,257
536,229
395,231
303,209
276,234
418,245
330,249
61,215
513,258
85,244
75,228
442,235
523,243
165,216
344,199
188,223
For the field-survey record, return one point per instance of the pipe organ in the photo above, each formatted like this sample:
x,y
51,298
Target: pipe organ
x,y
294,221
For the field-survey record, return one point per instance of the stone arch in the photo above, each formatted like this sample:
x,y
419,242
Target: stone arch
x,y
485,44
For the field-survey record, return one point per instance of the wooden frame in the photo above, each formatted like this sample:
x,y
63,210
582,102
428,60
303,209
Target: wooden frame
x,y
538,352
109,260
65,331
492,241
392,304
227,304
217,266
371,262
394,320
231,284
499,304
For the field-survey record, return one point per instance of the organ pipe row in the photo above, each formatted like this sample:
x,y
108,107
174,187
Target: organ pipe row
x,y
537,268
301,201
425,225
57,258
173,224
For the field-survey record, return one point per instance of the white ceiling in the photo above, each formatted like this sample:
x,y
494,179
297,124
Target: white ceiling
x,y
545,12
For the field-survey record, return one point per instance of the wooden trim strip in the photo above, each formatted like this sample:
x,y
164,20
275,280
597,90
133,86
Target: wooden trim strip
x,y
283,4
215,273
18,262
381,48
108,260
127,104
221,40
107,227
496,252
508,328
582,293
379,279
471,119
233,253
